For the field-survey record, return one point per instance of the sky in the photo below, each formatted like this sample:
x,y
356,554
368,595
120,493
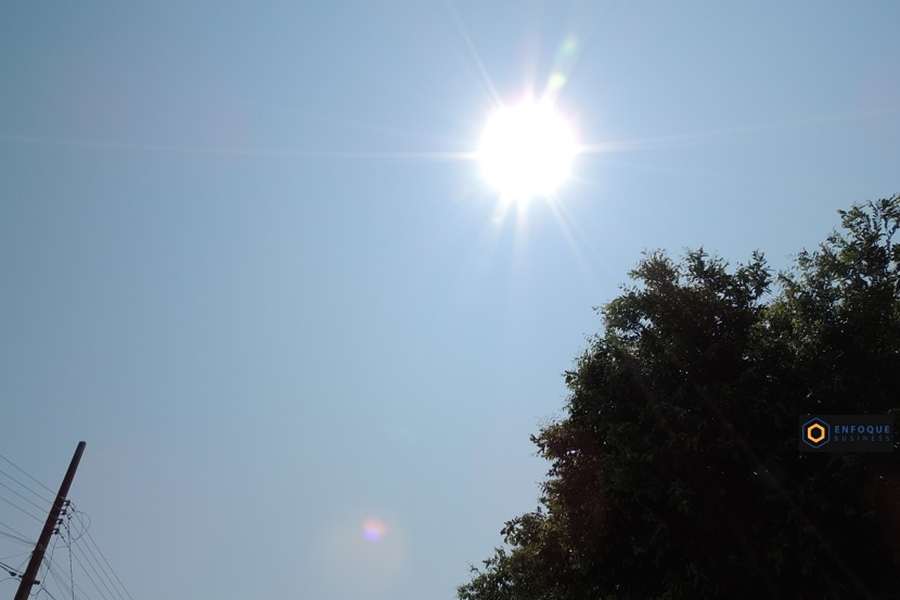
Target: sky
x,y
247,256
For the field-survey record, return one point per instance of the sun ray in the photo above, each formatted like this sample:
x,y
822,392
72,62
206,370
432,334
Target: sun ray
x,y
473,52
576,242
415,155
665,141
342,121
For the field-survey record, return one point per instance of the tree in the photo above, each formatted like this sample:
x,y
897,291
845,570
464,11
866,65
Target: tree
x,y
675,471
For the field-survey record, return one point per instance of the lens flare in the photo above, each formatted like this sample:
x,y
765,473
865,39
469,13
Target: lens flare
x,y
557,82
359,556
569,46
374,529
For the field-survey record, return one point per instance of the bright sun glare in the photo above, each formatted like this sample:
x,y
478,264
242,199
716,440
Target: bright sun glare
x,y
526,151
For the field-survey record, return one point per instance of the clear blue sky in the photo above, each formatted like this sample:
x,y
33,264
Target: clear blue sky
x,y
242,258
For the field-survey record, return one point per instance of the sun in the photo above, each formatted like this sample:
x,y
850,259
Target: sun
x,y
526,150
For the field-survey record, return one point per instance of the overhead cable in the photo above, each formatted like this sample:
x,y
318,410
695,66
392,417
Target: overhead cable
x,y
53,494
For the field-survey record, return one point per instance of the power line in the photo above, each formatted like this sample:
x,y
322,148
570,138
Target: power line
x,y
47,560
37,506
81,518
91,579
47,568
85,532
60,577
12,572
58,572
18,537
43,588
26,487
16,555
46,591
21,509
27,475
21,567
102,573
121,585
64,587
90,558
69,544
105,573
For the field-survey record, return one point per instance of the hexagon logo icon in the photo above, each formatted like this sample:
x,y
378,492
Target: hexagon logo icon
x,y
815,433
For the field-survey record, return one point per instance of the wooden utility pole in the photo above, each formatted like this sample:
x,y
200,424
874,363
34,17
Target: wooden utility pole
x,y
37,557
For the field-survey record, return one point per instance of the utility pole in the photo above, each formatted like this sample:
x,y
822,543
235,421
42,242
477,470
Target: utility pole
x,y
37,557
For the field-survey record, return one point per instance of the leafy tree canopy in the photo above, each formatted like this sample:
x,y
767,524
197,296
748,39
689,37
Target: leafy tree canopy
x,y
675,472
